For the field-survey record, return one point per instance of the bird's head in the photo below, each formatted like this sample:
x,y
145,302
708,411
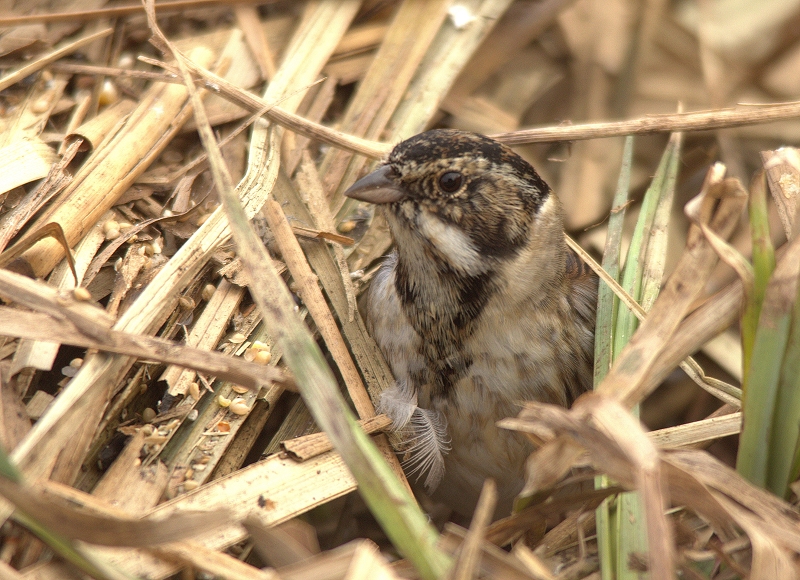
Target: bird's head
x,y
466,199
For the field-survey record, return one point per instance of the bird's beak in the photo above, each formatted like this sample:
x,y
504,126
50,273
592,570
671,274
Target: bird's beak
x,y
377,187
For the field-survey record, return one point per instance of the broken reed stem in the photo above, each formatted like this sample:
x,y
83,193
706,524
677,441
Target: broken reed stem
x,y
39,326
312,297
308,446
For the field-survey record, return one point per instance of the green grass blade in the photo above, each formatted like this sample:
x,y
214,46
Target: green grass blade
x,y
631,531
636,260
607,307
605,538
783,451
759,406
654,261
768,439
763,265
771,403
607,303
641,278
8,469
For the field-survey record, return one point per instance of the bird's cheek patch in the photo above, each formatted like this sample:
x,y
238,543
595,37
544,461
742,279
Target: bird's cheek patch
x,y
548,206
453,243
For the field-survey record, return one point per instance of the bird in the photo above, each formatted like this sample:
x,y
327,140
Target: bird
x,y
480,306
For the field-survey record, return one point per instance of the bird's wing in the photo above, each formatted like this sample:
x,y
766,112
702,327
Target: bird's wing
x,y
583,285
582,297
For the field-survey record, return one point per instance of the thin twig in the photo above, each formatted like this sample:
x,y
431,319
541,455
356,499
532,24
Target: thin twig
x,y
695,121
117,11
38,64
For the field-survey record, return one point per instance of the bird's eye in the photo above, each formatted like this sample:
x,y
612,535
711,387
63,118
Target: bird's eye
x,y
450,182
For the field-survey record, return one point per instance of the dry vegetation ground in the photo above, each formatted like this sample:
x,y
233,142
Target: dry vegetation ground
x,y
96,135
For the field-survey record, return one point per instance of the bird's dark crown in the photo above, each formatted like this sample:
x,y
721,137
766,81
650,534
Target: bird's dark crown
x,y
450,144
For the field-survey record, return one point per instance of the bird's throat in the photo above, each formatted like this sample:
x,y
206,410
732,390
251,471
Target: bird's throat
x,y
446,313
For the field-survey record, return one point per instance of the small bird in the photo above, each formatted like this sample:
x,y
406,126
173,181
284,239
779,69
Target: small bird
x,y
481,306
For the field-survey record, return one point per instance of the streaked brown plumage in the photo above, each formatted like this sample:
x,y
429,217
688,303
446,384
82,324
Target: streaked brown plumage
x,y
481,306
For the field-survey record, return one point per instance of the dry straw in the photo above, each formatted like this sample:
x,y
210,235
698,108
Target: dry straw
x,y
292,102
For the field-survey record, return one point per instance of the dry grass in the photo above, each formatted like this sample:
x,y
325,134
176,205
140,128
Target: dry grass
x,y
156,389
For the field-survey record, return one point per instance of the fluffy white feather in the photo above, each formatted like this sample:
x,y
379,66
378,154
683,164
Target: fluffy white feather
x,y
424,433
428,443
398,403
